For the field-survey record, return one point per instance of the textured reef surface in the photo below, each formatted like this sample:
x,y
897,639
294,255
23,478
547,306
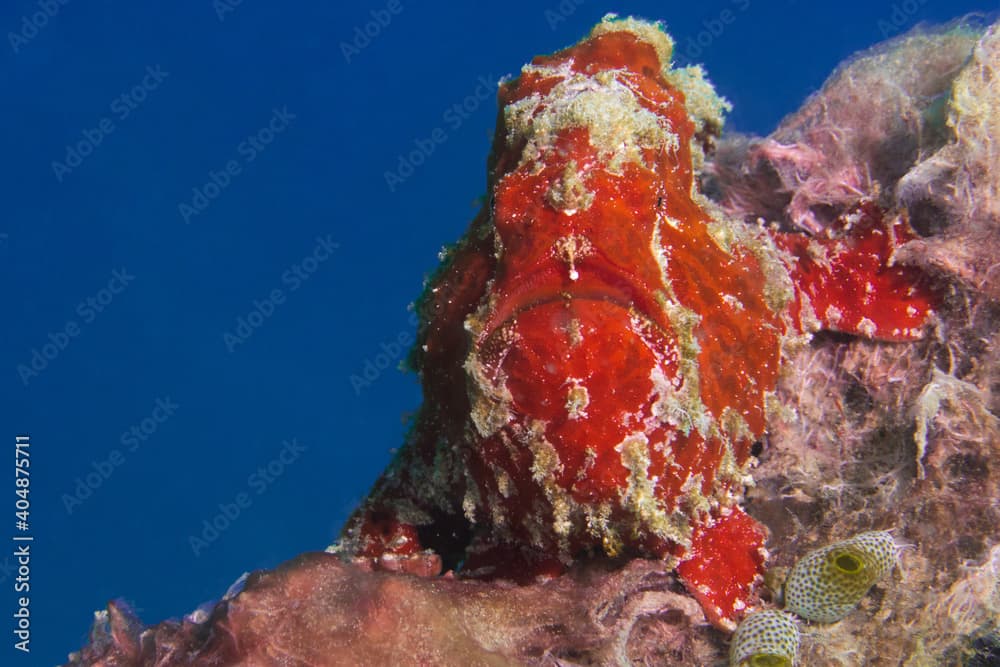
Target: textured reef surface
x,y
660,349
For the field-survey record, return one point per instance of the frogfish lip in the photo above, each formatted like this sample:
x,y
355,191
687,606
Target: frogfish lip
x,y
590,279
549,332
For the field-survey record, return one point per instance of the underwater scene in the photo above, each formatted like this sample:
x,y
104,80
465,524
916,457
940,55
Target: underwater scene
x,y
547,334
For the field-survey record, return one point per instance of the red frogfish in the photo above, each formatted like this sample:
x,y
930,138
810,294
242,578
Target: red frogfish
x,y
599,351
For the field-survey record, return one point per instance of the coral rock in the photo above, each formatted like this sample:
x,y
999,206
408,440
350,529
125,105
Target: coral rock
x,y
317,610
877,435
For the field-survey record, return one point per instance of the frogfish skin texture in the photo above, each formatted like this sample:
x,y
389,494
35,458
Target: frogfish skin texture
x,y
599,350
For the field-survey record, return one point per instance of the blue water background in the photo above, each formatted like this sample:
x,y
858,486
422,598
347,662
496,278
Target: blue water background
x,y
146,420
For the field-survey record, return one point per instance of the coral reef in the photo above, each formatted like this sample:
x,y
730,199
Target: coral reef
x,y
598,351
861,435
901,437
317,610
